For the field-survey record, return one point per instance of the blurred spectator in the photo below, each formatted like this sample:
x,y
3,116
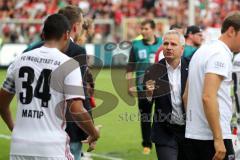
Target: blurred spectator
x,y
194,39
87,32
194,36
148,4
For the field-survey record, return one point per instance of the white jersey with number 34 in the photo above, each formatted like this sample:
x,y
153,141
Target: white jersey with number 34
x,y
42,82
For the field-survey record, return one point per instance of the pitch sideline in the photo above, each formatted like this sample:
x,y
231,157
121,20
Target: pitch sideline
x,y
3,136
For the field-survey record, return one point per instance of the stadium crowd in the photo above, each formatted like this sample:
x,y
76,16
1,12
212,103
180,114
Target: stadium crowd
x,y
208,14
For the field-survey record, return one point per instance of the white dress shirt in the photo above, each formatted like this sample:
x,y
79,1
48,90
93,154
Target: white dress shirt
x,y
174,76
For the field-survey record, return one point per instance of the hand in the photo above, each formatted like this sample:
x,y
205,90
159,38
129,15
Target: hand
x,y
90,90
92,140
150,86
220,150
131,91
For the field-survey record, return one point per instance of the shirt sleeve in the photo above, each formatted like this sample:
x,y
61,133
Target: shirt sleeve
x,y
73,85
218,64
9,83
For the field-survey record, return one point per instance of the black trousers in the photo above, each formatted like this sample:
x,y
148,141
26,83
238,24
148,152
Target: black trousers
x,y
176,151
170,153
204,149
145,109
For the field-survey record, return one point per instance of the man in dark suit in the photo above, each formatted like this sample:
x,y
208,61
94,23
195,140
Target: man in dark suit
x,y
165,84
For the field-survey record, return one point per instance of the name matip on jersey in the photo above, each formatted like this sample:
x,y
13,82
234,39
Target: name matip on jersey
x,y
42,80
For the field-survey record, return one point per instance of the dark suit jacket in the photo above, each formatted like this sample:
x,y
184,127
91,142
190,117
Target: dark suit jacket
x,y
78,53
162,133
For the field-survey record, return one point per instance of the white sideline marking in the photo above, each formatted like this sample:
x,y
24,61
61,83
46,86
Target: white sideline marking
x,y
102,156
3,136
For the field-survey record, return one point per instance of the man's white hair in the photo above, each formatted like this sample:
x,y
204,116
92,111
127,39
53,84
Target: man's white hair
x,y
180,36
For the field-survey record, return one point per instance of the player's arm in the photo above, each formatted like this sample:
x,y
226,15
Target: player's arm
x,y
185,96
74,94
5,99
130,82
211,108
216,70
130,72
82,118
7,93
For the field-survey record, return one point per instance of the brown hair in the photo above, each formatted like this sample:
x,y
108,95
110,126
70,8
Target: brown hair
x,y
232,20
72,13
150,22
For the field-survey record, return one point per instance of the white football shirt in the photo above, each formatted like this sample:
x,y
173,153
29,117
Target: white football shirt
x,y
213,57
42,79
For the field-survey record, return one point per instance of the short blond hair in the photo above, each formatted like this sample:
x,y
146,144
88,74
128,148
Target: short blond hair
x,y
180,36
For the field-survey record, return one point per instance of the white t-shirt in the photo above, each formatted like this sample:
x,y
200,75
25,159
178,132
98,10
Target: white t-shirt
x,y
213,57
41,79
